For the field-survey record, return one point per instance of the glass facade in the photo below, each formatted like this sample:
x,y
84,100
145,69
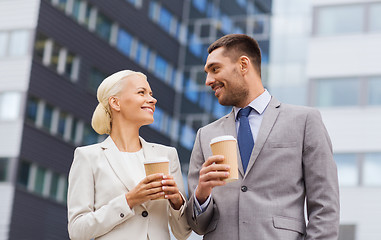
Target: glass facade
x,y
346,92
348,19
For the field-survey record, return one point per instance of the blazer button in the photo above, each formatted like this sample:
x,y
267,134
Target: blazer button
x,y
144,213
121,215
243,188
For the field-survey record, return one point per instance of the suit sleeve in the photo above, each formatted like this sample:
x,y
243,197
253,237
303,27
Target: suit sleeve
x,y
321,181
206,221
84,221
177,219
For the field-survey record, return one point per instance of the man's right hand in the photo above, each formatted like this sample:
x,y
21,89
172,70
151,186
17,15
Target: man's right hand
x,y
211,174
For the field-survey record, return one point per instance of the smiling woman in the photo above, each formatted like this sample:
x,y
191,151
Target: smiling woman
x,y
109,194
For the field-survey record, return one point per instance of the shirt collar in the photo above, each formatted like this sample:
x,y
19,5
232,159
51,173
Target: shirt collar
x,y
259,104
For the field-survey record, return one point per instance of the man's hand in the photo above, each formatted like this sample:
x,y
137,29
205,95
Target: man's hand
x,y
211,175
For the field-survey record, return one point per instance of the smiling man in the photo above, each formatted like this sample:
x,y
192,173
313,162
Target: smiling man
x,y
285,159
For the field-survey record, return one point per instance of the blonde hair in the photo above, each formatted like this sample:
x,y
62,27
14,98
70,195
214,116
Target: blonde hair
x,y
110,86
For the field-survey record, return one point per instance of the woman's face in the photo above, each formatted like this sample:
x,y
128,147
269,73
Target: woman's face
x,y
136,103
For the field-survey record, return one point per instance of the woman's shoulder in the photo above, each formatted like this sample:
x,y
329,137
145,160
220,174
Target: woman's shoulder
x,y
89,149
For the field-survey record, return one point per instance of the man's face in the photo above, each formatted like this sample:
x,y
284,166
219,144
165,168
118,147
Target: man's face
x,y
225,79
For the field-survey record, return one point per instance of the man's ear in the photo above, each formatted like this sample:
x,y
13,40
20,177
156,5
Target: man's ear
x,y
114,103
244,63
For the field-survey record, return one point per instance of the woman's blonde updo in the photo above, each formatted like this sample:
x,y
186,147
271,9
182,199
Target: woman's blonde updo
x,y
111,86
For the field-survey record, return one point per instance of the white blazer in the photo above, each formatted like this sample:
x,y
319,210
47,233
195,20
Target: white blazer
x,y
97,208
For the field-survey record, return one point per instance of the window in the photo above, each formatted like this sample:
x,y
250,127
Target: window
x,y
48,115
53,192
96,78
3,44
347,169
39,46
62,123
70,65
199,5
342,19
61,4
161,67
187,137
39,180
76,11
136,3
158,116
14,43
60,59
165,19
103,27
142,55
195,45
124,42
227,24
23,177
19,43
191,93
372,169
31,109
10,105
74,129
374,89
3,169
55,57
337,92
89,135
375,17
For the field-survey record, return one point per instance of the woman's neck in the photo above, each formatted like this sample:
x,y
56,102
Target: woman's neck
x,y
126,137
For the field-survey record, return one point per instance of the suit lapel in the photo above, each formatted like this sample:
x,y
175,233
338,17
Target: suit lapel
x,y
230,129
268,121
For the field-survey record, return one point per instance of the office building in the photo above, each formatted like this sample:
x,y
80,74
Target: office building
x,y
326,54
53,56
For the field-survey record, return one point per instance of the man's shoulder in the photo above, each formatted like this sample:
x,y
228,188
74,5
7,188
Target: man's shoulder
x,y
217,123
298,108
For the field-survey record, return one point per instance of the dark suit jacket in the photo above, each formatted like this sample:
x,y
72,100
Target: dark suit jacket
x,y
291,164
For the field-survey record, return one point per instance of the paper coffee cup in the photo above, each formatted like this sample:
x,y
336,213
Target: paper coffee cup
x,y
227,146
158,165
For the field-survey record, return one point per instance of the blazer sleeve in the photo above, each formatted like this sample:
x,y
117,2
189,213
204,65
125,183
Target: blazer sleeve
x,y
86,222
321,181
206,221
177,219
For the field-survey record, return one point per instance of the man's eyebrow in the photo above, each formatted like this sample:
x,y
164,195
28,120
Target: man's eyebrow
x,y
209,66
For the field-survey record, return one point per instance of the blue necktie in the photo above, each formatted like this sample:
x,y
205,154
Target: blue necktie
x,y
245,137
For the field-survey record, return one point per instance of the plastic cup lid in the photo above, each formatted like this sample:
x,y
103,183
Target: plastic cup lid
x,y
222,138
156,160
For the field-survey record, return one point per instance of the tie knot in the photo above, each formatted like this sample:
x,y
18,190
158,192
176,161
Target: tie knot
x,y
244,112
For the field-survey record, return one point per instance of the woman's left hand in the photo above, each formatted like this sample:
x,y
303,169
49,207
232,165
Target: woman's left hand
x,y
172,192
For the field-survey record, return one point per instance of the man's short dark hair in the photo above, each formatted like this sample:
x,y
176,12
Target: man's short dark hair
x,y
237,45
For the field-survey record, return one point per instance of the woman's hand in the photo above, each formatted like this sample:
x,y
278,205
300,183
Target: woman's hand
x,y
149,188
172,192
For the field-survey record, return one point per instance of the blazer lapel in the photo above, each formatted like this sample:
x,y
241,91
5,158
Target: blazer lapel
x,y
149,150
230,129
115,159
268,121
